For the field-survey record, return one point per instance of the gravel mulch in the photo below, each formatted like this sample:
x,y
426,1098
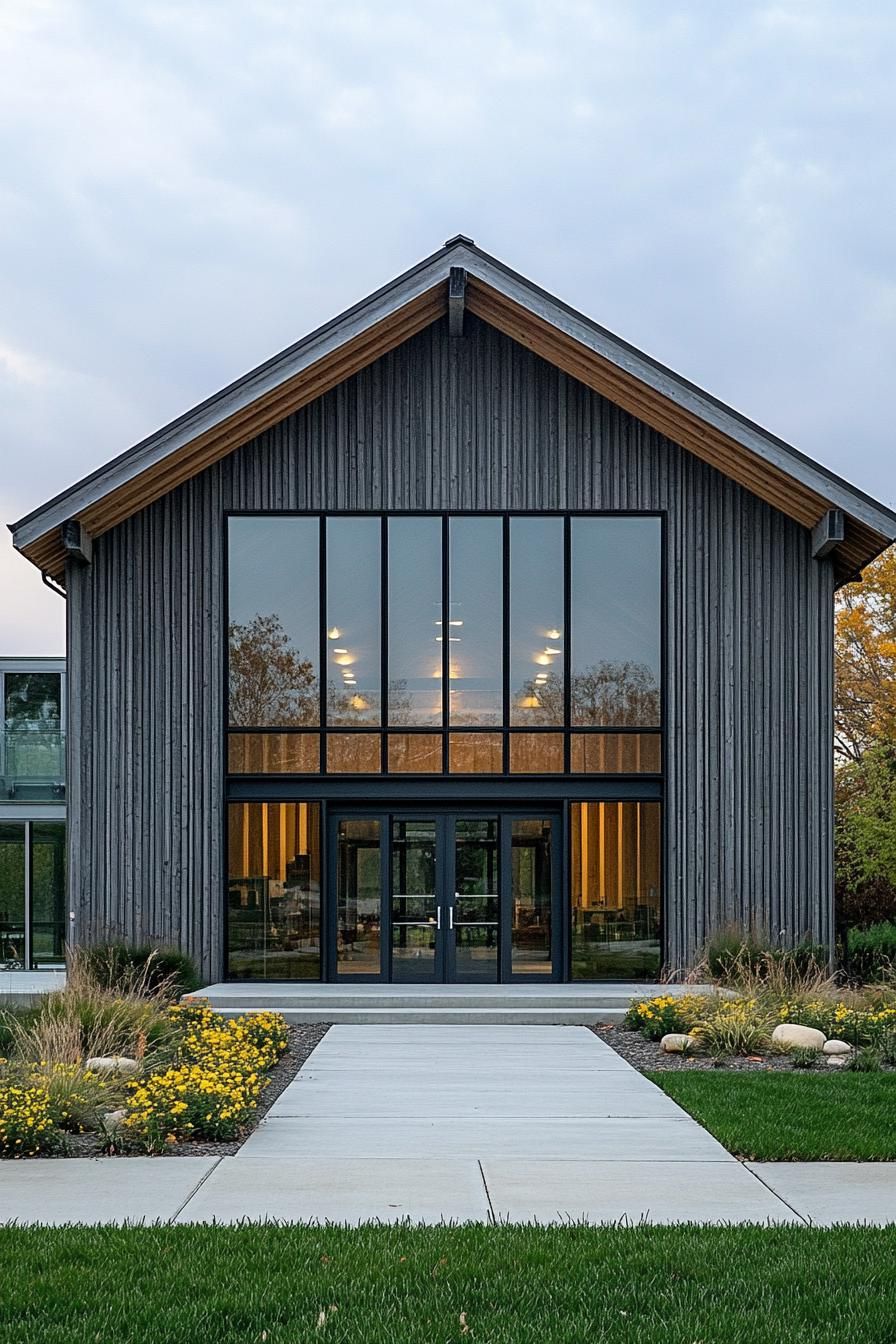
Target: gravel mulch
x,y
302,1040
647,1056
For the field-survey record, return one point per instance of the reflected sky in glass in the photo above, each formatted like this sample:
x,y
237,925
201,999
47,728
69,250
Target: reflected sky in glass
x,y
353,620
615,598
536,621
476,621
274,583
415,615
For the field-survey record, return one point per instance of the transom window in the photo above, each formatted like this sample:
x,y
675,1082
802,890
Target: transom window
x,y
463,644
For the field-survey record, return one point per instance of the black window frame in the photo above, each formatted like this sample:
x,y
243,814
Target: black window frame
x,y
445,729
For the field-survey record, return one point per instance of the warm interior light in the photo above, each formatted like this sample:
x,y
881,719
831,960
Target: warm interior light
x,y
340,650
344,660
530,702
553,651
553,634
542,659
358,702
334,633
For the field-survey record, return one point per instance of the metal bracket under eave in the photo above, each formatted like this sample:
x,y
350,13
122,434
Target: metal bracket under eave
x,y
76,541
827,533
457,291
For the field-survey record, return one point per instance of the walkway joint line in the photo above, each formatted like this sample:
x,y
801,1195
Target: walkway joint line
x,y
807,1222
491,1210
196,1188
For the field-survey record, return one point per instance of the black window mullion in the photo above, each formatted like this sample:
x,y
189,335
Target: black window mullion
x,y
505,717
446,625
567,643
384,641
322,651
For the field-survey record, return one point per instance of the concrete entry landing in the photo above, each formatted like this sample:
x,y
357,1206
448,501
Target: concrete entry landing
x,y
583,1004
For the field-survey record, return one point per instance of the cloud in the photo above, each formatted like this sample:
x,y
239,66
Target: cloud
x,y
190,186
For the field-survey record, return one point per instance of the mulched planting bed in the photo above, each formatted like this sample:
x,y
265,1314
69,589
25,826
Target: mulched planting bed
x,y
413,1285
302,1040
649,1057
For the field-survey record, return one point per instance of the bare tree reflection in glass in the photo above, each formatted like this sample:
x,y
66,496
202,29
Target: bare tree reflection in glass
x,y
271,684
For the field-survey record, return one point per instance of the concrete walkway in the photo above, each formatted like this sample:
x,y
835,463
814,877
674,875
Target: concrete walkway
x,y
487,1123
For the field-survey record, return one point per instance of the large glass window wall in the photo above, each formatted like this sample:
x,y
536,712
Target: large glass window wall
x,y
473,644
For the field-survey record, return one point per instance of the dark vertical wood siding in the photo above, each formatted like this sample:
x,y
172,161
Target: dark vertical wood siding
x,y
476,423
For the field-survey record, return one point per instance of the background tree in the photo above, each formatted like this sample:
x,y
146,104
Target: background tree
x,y
865,660
271,684
865,746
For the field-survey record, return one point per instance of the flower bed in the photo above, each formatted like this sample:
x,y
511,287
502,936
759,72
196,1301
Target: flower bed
x,y
740,1025
214,1084
189,1075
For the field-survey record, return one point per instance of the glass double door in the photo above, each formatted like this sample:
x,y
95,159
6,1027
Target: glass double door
x,y
429,896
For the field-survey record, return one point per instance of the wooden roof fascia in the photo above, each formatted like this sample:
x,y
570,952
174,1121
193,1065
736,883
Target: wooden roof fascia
x,y
164,475
682,412
766,446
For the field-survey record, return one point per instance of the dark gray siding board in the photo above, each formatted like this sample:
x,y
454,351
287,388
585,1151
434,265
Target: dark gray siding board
x,y
477,423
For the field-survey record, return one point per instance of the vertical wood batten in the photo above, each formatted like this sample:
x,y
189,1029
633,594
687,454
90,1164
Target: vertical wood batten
x,y
477,423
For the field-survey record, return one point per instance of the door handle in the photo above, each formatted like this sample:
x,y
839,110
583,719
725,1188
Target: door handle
x,y
451,916
438,916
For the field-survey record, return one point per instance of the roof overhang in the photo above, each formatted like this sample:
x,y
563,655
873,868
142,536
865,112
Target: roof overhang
x,y
757,460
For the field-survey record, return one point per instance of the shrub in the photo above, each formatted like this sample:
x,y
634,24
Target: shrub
x,y
870,954
804,1057
866,1060
745,958
734,1027
654,1018
26,1125
10,1019
152,972
886,1044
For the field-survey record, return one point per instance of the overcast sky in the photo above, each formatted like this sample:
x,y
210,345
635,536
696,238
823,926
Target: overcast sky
x,y
188,187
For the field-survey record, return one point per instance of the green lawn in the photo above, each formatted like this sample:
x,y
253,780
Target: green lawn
x,y
792,1116
509,1285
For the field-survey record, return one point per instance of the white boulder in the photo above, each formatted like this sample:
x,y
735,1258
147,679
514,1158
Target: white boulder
x,y
112,1064
837,1048
676,1043
791,1036
113,1119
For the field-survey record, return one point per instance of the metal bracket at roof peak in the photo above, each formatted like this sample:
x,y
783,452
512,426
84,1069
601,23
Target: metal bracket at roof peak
x,y
459,238
457,290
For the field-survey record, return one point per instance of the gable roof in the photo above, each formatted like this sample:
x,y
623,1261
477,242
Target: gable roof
x,y
757,460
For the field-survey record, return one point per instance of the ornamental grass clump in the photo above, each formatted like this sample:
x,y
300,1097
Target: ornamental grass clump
x,y
656,1017
214,1083
733,1027
78,1097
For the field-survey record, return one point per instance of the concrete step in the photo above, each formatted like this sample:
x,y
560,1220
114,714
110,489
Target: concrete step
x,y
363,1002
559,1015
526,1003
